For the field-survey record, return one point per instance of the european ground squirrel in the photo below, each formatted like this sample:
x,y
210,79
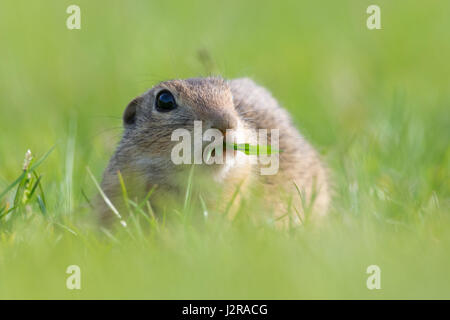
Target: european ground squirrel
x,y
144,155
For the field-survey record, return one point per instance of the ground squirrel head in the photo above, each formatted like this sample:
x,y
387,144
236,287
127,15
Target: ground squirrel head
x,y
151,118
182,101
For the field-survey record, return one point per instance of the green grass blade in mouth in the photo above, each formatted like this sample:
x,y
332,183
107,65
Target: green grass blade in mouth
x,y
249,149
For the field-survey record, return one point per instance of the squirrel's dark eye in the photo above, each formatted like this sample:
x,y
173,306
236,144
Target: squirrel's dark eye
x,y
165,101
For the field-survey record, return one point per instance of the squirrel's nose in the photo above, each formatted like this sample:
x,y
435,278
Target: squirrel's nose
x,y
224,122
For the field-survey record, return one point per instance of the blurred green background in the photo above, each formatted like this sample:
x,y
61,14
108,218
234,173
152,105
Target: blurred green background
x,y
374,102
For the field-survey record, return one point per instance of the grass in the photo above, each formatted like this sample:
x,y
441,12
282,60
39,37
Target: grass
x,y
374,103
249,149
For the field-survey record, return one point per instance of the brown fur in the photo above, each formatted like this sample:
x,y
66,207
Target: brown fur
x,y
143,155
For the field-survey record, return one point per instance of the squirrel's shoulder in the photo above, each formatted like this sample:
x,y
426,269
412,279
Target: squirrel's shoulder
x,y
257,105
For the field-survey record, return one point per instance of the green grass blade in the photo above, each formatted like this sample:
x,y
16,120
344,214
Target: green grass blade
x,y
32,168
147,197
106,199
139,210
4,214
42,159
35,186
19,192
124,190
41,189
12,185
249,149
203,204
233,197
62,226
42,205
188,188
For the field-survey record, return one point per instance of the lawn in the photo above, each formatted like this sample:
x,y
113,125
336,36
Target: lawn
x,y
375,103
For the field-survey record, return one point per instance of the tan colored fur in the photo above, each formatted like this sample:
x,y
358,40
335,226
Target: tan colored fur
x,y
143,155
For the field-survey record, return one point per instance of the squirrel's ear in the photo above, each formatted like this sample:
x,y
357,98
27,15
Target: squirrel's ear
x,y
129,116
